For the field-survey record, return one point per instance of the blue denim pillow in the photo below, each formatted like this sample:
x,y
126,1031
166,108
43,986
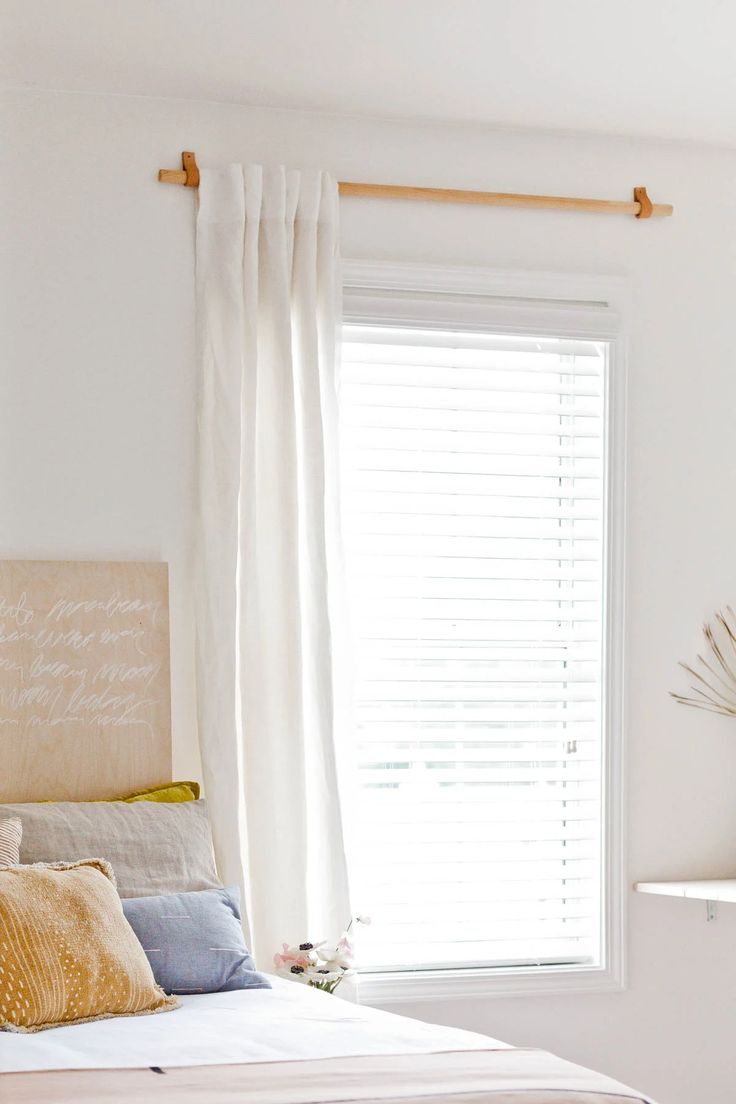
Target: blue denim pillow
x,y
194,941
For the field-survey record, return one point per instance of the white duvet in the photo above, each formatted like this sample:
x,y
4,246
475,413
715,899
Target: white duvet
x,y
285,1023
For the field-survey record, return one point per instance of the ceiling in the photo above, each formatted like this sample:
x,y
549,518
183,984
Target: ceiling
x,y
661,68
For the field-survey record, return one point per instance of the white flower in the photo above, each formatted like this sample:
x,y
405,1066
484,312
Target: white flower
x,y
338,964
343,955
325,975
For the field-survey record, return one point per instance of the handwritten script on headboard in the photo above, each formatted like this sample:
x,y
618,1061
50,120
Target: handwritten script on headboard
x,y
85,709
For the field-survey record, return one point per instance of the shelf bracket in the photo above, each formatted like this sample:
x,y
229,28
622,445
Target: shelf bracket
x,y
711,911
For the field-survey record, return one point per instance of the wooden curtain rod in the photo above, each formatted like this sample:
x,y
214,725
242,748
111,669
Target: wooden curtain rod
x,y
640,207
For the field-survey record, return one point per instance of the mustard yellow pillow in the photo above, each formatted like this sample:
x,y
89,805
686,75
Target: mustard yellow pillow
x,y
67,953
171,792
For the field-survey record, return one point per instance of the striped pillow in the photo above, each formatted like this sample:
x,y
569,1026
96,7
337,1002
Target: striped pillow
x,y
10,833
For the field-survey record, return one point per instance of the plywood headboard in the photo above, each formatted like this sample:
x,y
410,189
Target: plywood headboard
x,y
85,702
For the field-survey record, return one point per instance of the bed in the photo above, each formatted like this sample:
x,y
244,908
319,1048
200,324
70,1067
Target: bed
x,y
286,1045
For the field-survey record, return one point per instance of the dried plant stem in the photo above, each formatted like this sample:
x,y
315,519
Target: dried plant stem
x,y
715,684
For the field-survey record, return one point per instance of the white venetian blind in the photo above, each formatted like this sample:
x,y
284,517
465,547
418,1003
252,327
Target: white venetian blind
x,y
473,503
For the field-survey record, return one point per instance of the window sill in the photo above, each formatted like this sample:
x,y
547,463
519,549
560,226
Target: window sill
x,y
411,987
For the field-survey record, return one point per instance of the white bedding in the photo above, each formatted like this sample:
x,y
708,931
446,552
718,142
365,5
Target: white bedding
x,y
285,1023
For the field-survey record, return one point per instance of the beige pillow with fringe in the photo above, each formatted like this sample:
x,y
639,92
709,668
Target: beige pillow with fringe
x,y
67,953
11,831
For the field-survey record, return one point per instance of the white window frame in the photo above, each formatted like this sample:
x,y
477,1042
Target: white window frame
x,y
557,305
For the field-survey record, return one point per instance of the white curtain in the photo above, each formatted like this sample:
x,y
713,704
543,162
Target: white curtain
x,y
268,556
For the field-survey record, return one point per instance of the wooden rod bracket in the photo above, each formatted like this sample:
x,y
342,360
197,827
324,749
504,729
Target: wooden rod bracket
x,y
645,203
189,162
188,175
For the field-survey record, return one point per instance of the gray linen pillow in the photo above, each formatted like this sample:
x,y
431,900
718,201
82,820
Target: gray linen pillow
x,y
194,941
153,847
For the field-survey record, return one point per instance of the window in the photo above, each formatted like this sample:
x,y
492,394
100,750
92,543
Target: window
x,y
475,480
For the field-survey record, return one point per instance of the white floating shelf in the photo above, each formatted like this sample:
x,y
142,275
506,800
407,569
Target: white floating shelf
x,y
710,889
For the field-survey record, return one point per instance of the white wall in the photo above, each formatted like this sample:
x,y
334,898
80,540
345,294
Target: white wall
x,y
96,446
